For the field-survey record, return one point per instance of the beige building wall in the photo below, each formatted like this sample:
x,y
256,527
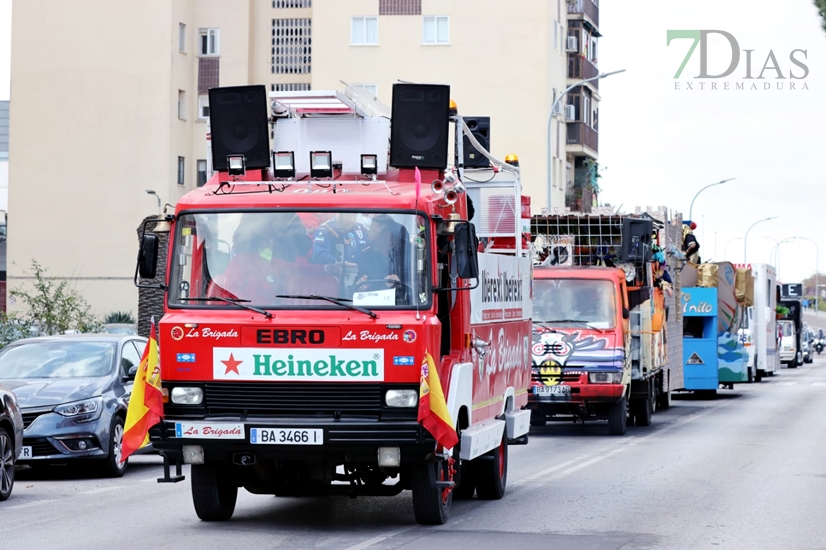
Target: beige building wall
x,y
95,119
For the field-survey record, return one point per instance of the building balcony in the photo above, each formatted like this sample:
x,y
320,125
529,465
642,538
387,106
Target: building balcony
x,y
589,9
580,68
583,141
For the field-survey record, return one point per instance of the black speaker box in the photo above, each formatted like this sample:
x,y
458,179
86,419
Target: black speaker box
x,y
239,126
479,126
636,239
419,126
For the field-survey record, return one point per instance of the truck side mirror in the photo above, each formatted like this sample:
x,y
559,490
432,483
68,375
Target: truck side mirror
x,y
625,313
148,257
466,249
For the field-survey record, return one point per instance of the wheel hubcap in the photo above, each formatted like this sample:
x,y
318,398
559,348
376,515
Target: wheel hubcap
x,y
6,464
117,444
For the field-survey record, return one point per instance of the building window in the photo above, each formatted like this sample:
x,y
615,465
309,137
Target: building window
x,y
182,104
435,29
202,172
287,4
181,38
203,106
556,35
209,42
208,73
181,166
291,50
400,7
364,31
298,87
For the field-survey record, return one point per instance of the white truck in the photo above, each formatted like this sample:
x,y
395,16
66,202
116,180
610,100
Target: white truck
x,y
762,322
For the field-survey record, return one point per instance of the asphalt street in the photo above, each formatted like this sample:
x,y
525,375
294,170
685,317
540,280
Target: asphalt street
x,y
746,470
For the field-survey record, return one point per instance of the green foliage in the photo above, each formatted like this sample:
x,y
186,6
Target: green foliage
x,y
821,7
782,311
51,307
120,317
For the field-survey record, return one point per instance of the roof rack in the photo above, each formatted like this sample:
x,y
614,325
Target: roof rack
x,y
313,102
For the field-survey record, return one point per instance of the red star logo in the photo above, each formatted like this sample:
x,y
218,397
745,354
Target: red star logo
x,y
232,365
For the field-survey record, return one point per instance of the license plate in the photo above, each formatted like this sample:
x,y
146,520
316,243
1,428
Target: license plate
x,y
286,436
25,452
552,390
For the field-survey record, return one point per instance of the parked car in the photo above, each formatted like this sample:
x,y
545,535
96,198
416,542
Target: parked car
x,y
73,392
788,343
11,439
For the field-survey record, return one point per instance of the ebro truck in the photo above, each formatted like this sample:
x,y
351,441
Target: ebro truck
x,y
304,295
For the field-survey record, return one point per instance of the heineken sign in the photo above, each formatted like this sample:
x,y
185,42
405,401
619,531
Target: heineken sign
x,y
297,364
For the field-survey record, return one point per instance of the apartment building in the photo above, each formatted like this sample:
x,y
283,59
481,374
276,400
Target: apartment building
x,y
110,101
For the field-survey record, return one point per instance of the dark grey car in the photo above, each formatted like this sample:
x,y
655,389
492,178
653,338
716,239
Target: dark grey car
x,y
73,392
11,439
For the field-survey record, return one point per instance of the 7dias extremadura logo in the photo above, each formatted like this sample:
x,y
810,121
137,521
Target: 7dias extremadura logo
x,y
748,69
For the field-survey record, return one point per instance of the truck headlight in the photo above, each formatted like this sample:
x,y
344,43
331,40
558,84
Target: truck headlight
x,y
401,398
187,395
81,411
604,377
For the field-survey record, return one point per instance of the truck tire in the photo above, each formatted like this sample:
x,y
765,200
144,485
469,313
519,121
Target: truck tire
x,y
758,375
214,491
664,400
751,375
431,504
538,418
618,417
642,409
491,472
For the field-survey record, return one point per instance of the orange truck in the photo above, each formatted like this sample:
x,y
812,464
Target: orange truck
x,y
607,329
315,289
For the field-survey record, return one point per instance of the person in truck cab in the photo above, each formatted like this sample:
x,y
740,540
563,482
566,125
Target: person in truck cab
x,y
338,244
250,274
384,258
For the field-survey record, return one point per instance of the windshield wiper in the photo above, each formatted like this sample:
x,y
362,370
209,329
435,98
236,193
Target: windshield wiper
x,y
234,301
339,301
586,323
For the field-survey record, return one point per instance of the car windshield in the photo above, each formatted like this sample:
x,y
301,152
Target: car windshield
x,y
57,359
787,329
288,259
570,302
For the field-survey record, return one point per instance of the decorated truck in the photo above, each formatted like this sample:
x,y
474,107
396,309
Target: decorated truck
x,y
607,329
715,298
759,331
330,324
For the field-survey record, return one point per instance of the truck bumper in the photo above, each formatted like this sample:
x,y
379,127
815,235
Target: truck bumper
x,y
353,440
584,399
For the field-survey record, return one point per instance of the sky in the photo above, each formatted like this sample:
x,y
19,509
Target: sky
x,y
660,146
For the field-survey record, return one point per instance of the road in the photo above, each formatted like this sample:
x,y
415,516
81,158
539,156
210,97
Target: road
x,y
744,471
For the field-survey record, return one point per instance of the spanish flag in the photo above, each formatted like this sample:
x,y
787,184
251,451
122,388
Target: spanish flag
x,y
146,402
433,413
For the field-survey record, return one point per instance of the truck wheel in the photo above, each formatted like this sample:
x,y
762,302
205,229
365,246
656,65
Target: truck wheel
x,y
431,504
618,417
758,375
491,472
641,409
214,491
538,418
664,400
751,375
7,459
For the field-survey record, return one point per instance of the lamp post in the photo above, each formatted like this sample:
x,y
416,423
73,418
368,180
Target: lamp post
x,y
746,238
152,192
550,119
691,208
775,252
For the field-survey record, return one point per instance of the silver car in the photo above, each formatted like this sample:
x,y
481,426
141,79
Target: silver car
x,y
73,392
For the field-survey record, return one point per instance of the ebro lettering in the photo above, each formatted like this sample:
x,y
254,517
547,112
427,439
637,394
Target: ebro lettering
x,y
293,336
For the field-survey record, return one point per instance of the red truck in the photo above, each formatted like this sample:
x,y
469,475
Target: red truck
x,y
607,321
304,295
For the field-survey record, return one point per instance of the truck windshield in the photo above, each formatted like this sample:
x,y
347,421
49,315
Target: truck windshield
x,y
570,302
364,258
787,328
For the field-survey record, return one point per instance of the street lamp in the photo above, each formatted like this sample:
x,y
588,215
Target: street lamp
x,y
691,208
551,117
774,255
746,238
152,192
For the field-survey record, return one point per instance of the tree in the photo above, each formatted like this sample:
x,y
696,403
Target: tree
x,y
821,8
120,317
51,307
